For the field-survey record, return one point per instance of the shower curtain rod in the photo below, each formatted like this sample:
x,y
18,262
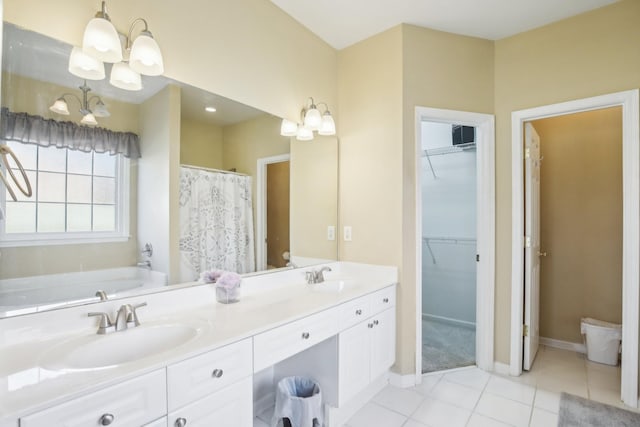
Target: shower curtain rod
x,y
213,170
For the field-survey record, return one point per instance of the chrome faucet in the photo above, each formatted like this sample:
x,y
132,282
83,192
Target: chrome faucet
x,y
101,294
316,276
126,317
145,264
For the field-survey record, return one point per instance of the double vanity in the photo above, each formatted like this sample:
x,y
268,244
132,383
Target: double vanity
x,y
194,362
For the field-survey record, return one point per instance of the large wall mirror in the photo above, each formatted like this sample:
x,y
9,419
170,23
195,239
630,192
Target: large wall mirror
x,y
210,190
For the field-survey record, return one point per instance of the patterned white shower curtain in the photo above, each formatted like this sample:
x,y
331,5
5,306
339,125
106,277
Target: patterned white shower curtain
x,y
216,223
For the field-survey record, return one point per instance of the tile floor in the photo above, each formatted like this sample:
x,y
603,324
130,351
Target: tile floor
x,y
474,398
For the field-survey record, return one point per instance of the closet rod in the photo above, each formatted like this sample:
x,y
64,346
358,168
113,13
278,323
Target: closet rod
x,y
213,170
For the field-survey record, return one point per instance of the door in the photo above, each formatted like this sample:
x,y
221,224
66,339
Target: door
x,y
532,246
277,214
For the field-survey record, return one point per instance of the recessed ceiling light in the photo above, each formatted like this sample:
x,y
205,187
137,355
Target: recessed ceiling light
x,y
210,109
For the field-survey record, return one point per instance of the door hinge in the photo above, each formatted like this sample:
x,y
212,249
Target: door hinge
x,y
525,330
527,153
527,241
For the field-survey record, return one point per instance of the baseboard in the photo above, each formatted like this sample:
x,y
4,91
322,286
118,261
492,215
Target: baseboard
x,y
563,345
501,368
449,321
402,381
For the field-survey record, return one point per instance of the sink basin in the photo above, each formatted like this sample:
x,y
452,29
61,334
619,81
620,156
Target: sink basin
x,y
90,352
332,286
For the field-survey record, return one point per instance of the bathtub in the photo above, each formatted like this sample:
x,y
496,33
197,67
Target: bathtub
x,y
36,293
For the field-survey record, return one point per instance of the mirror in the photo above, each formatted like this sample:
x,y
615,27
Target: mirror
x,y
290,187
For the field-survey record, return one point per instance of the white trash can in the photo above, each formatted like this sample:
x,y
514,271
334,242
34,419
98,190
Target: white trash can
x,y
602,340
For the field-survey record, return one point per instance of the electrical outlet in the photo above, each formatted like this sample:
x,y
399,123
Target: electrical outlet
x,y
347,233
331,232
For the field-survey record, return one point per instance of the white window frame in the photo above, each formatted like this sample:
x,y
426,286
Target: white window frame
x,y
120,234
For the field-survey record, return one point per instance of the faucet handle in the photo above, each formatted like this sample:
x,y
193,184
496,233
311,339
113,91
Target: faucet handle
x,y
105,322
132,316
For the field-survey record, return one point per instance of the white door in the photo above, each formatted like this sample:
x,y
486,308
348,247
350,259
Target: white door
x,y
532,246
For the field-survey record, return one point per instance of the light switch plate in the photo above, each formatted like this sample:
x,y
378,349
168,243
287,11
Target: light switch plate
x,y
331,232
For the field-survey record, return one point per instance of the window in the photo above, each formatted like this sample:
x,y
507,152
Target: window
x,y
77,197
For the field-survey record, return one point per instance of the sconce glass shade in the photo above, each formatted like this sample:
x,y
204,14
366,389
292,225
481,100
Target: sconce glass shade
x,y
101,41
85,66
60,107
312,119
328,126
288,128
123,77
145,57
89,119
304,134
101,110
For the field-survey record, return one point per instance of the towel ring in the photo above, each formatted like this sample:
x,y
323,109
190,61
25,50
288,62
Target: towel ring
x,y
4,153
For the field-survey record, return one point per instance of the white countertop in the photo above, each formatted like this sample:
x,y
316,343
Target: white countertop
x,y
267,301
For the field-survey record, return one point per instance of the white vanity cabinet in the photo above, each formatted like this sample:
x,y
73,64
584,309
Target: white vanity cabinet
x,y
162,422
135,402
367,350
214,388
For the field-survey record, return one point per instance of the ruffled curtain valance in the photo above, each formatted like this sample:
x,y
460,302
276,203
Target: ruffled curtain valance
x,y
29,129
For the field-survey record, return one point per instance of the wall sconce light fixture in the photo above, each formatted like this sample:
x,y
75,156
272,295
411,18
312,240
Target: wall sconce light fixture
x,y
312,120
103,43
89,115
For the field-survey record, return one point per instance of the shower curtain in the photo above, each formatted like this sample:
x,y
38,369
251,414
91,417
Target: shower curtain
x,y
216,223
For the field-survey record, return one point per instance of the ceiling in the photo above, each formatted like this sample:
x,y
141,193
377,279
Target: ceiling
x,y
342,23
39,57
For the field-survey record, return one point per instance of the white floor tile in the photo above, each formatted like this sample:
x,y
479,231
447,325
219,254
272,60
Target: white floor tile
x,y
482,421
374,415
456,394
428,383
435,413
511,390
402,400
474,378
542,418
505,410
413,423
547,400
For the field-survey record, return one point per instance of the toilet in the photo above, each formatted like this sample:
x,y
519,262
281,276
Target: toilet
x,y
602,340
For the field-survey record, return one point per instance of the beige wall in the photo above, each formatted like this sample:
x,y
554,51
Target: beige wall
x,y
246,50
200,144
580,221
21,94
587,55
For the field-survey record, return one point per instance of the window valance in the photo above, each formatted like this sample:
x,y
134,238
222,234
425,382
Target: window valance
x,y
30,129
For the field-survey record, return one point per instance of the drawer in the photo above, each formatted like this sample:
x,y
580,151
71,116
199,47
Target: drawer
x,y
131,403
383,299
353,312
230,407
162,422
277,344
194,378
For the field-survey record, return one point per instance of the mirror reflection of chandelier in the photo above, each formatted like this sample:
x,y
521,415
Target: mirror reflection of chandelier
x,y
89,115
103,43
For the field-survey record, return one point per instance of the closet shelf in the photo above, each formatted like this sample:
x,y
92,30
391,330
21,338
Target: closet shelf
x,y
428,240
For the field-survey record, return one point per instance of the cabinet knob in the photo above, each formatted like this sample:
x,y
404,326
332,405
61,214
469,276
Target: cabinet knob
x,y
181,422
370,325
358,312
217,373
106,419
386,300
305,335
376,323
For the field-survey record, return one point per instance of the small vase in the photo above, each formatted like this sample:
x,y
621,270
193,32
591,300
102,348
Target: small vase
x,y
228,295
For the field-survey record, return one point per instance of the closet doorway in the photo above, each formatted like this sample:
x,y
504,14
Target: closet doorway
x,y
455,240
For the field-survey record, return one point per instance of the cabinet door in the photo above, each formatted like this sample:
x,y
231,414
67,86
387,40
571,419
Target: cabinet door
x,y
383,342
162,422
131,403
230,407
353,360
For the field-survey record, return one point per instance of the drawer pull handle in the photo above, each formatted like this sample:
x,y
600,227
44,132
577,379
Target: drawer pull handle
x,y
376,323
305,335
386,300
217,373
358,312
370,325
106,419
181,422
